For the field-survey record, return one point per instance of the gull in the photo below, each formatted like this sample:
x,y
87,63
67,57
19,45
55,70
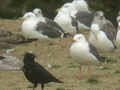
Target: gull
x,y
103,33
32,27
84,53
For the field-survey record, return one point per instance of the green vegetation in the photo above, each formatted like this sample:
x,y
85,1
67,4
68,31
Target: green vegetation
x,y
106,68
92,81
17,89
117,72
107,60
60,88
30,86
56,66
51,44
73,65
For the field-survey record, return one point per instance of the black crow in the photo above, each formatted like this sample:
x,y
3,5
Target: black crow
x,y
35,73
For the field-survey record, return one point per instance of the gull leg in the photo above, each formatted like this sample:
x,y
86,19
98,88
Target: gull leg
x,y
89,72
80,76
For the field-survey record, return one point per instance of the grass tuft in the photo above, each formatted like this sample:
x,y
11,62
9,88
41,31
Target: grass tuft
x,y
48,85
117,72
92,81
56,66
73,66
51,43
17,89
107,60
30,86
106,68
60,88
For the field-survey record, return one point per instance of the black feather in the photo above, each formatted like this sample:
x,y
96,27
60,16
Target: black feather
x,y
35,73
85,17
94,51
1,57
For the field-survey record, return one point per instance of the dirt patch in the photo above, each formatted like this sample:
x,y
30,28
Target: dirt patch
x,y
56,53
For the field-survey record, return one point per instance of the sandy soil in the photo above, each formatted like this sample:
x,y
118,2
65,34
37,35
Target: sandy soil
x,y
56,53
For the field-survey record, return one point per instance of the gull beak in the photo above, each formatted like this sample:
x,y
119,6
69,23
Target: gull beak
x,y
21,19
73,40
57,10
118,20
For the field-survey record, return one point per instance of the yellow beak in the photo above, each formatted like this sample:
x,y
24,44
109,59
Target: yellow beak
x,y
21,19
57,10
118,20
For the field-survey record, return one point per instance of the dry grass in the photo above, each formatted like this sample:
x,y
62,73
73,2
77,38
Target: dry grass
x,y
56,53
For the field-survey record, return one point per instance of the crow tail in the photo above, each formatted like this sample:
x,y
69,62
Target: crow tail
x,y
58,81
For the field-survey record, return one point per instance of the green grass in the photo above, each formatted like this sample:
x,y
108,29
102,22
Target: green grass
x,y
60,88
73,66
106,68
117,72
56,66
51,44
30,86
107,60
17,89
48,85
92,81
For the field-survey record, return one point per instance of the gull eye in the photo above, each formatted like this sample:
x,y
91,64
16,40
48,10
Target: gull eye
x,y
79,38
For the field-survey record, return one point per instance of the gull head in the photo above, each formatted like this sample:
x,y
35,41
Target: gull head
x,y
78,38
99,15
66,8
67,5
80,5
37,12
65,11
95,29
28,15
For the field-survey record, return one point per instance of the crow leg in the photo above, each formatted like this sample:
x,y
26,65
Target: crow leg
x,y
42,86
35,85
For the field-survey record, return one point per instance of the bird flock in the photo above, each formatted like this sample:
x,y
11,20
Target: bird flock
x,y
71,20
